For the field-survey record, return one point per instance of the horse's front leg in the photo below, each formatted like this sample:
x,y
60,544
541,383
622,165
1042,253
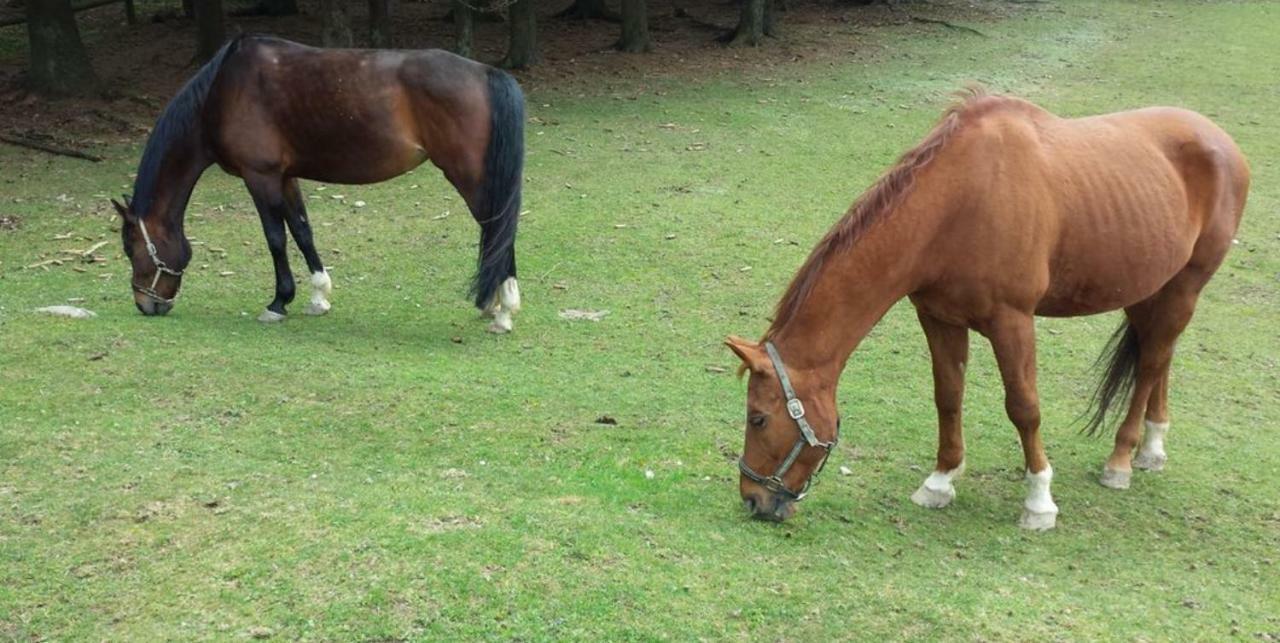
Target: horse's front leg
x,y
949,348
300,227
1013,339
269,199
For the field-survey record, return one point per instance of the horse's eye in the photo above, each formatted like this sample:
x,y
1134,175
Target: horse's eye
x,y
758,421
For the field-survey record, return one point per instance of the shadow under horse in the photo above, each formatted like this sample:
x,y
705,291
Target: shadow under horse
x,y
272,111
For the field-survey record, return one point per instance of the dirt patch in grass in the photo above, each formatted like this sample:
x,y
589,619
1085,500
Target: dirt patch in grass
x,y
10,222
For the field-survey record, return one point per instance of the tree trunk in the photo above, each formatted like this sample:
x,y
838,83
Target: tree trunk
x,y
635,26
335,24
463,28
277,7
752,24
589,9
380,23
211,30
522,50
59,63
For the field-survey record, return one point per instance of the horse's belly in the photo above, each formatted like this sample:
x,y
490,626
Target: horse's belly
x,y
1086,285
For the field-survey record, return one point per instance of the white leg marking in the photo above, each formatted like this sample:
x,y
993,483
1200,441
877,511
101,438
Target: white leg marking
x,y
270,317
501,321
1039,513
510,294
321,286
937,491
1151,454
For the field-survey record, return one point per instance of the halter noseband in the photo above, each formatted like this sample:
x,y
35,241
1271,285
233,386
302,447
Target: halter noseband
x,y
161,267
795,409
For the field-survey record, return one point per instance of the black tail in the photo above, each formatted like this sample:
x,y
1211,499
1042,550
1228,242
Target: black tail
x,y
1121,355
500,194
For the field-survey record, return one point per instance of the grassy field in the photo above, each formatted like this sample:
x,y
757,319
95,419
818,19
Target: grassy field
x,y
391,471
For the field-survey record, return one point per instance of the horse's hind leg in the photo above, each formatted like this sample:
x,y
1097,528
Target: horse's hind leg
x,y
270,202
949,348
1158,322
300,227
1151,455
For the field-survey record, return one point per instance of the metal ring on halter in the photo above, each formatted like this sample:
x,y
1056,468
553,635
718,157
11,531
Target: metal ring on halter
x,y
161,267
795,409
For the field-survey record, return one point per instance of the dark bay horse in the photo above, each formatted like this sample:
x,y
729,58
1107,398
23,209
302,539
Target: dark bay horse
x,y
1003,212
272,111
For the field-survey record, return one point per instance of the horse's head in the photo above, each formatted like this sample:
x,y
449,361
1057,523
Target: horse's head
x,y
158,253
792,427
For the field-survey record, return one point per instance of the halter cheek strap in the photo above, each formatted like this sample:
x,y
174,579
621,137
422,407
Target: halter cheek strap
x,y
795,409
161,267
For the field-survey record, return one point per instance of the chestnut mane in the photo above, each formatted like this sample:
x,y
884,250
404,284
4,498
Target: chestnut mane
x,y
874,205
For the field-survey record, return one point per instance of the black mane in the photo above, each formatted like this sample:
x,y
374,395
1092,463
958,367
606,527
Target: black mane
x,y
175,124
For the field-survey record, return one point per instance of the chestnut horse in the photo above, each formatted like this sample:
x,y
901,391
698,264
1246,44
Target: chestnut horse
x,y
272,111
1002,213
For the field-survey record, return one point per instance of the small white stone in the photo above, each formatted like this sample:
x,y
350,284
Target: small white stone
x,y
648,474
845,471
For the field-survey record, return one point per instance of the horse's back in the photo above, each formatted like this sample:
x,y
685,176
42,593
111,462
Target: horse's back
x,y
339,115
1100,211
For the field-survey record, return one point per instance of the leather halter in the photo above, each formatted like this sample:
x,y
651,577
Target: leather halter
x,y
161,267
795,409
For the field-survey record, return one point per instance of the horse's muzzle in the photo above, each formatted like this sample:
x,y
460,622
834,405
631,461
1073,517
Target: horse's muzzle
x,y
769,506
150,307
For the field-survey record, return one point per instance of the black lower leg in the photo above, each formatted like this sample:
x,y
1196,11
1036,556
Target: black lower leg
x,y
300,227
273,228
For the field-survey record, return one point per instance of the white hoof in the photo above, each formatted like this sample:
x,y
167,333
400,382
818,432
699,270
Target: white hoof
x,y
937,491
1113,479
501,322
317,307
1150,461
1039,512
933,498
270,317
1038,520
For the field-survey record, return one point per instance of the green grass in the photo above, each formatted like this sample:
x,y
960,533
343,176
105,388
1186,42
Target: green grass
x,y
363,477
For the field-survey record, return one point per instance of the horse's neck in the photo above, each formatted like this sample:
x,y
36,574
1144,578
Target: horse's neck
x,y
184,163
853,290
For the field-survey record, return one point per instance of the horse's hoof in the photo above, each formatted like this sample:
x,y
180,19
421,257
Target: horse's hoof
x,y
270,317
317,308
501,322
933,498
1150,461
1038,520
1114,479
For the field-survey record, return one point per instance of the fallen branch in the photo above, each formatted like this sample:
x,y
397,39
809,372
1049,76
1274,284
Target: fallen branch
x,y
45,147
92,249
949,25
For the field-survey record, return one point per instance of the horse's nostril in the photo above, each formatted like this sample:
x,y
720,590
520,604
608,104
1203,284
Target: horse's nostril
x,y
750,504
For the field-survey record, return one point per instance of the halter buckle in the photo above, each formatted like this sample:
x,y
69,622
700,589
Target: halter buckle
x,y
795,408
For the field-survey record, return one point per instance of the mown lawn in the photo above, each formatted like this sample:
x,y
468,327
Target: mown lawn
x,y
391,471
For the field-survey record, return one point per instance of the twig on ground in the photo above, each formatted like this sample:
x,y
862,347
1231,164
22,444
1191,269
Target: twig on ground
x,y
46,147
949,25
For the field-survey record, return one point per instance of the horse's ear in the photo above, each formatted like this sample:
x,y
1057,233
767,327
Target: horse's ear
x,y
123,209
752,355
